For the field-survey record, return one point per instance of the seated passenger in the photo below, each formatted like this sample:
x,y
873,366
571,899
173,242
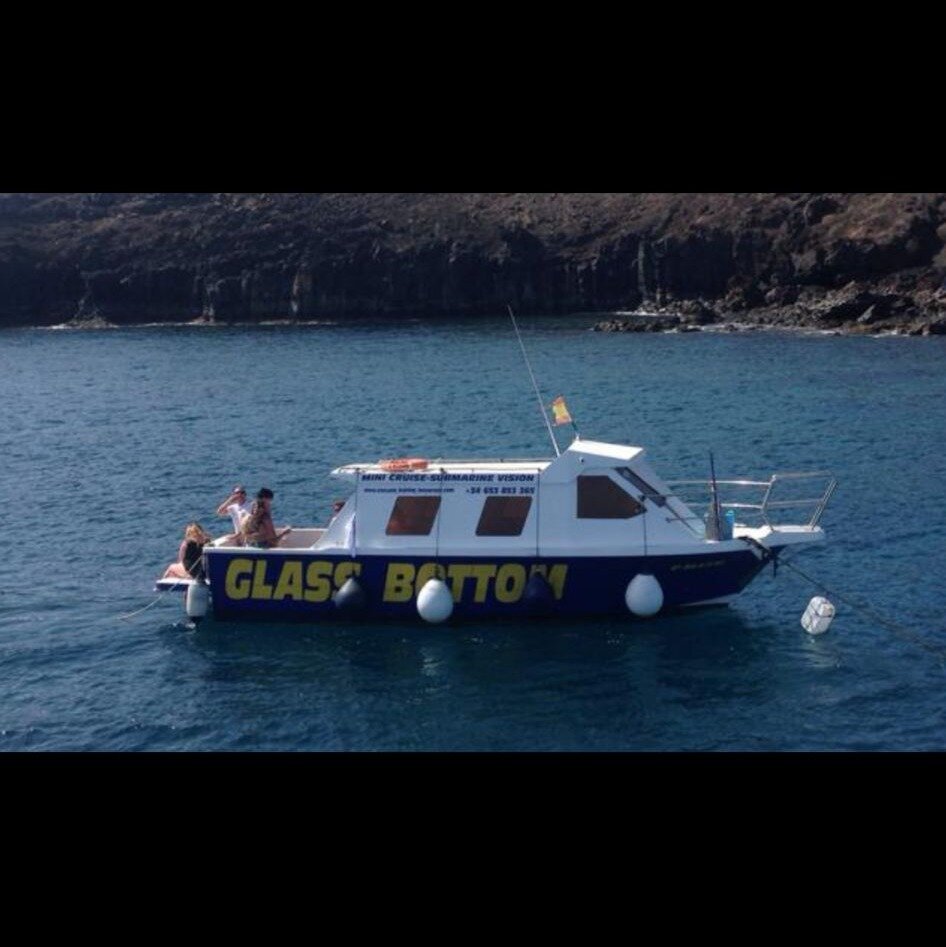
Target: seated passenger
x,y
189,554
258,529
237,507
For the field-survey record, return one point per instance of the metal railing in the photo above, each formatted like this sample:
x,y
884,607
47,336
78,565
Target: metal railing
x,y
767,505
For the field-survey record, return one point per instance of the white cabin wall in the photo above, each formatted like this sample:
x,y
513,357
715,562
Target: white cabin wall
x,y
554,502
561,530
461,515
374,512
338,533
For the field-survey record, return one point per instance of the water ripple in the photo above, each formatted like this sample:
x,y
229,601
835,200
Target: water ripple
x,y
116,439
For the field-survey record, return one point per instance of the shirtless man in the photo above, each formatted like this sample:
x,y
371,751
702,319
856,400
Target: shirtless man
x,y
237,507
258,529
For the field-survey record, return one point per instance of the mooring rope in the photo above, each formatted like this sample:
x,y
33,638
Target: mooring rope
x,y
161,594
895,627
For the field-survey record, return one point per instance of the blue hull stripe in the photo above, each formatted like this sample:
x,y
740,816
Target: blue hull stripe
x,y
250,585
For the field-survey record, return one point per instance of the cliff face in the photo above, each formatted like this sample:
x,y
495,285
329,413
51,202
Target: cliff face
x,y
128,258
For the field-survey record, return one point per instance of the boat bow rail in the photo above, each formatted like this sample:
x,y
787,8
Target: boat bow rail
x,y
779,492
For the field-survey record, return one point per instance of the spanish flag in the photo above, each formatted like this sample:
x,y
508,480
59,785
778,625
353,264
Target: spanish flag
x,y
560,411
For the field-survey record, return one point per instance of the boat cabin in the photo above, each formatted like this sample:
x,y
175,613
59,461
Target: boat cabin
x,y
594,499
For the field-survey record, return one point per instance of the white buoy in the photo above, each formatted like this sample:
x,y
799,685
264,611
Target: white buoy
x,y
197,600
644,596
435,601
818,616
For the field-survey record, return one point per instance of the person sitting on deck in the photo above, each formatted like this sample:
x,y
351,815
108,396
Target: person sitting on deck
x,y
237,507
258,529
189,553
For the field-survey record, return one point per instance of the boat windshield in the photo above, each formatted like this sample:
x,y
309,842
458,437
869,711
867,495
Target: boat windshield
x,y
642,485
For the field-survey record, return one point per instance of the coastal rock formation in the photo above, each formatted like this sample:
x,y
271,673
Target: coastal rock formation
x,y
858,262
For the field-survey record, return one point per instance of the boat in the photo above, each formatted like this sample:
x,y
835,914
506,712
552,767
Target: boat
x,y
592,531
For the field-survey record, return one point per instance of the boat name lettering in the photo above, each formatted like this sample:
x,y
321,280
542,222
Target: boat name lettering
x,y
706,564
316,581
300,582
503,583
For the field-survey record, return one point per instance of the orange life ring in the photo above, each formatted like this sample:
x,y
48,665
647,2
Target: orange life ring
x,y
403,463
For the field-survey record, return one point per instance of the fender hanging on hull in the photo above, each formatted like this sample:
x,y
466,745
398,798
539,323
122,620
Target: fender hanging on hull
x,y
254,585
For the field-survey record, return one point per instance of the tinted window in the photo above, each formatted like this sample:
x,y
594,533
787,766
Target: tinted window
x,y
642,485
413,516
503,516
600,498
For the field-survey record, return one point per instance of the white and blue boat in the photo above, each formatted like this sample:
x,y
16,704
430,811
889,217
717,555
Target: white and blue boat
x,y
593,531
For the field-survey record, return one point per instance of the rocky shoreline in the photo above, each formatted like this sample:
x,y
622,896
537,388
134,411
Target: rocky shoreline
x,y
854,309
868,263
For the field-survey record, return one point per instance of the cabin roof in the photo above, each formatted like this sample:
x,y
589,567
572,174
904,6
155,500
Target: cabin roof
x,y
604,450
596,449
435,465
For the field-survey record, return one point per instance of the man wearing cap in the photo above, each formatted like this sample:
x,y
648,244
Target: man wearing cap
x,y
237,507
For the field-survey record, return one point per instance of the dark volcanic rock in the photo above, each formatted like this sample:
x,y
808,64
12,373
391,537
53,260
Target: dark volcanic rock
x,y
639,323
833,260
819,207
781,296
874,313
844,307
696,313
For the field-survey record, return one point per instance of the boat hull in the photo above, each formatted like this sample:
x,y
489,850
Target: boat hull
x,y
279,585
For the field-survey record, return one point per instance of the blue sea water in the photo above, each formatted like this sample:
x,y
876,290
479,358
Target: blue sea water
x,y
113,439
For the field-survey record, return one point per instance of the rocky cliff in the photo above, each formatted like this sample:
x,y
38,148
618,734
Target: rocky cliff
x,y
833,260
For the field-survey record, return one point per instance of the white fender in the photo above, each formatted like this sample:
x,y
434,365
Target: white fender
x,y
435,601
644,596
197,600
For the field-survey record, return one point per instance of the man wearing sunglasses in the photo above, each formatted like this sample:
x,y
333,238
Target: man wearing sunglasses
x,y
237,507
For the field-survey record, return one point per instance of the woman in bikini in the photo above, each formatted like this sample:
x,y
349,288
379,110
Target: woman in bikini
x,y
188,555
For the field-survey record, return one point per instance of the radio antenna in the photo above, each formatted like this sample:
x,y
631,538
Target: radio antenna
x,y
715,498
535,386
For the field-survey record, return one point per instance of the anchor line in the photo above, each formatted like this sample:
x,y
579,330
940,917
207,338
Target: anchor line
x,y
892,626
768,555
161,594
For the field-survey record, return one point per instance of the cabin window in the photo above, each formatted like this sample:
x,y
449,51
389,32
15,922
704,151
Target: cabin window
x,y
413,516
503,516
643,486
600,498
